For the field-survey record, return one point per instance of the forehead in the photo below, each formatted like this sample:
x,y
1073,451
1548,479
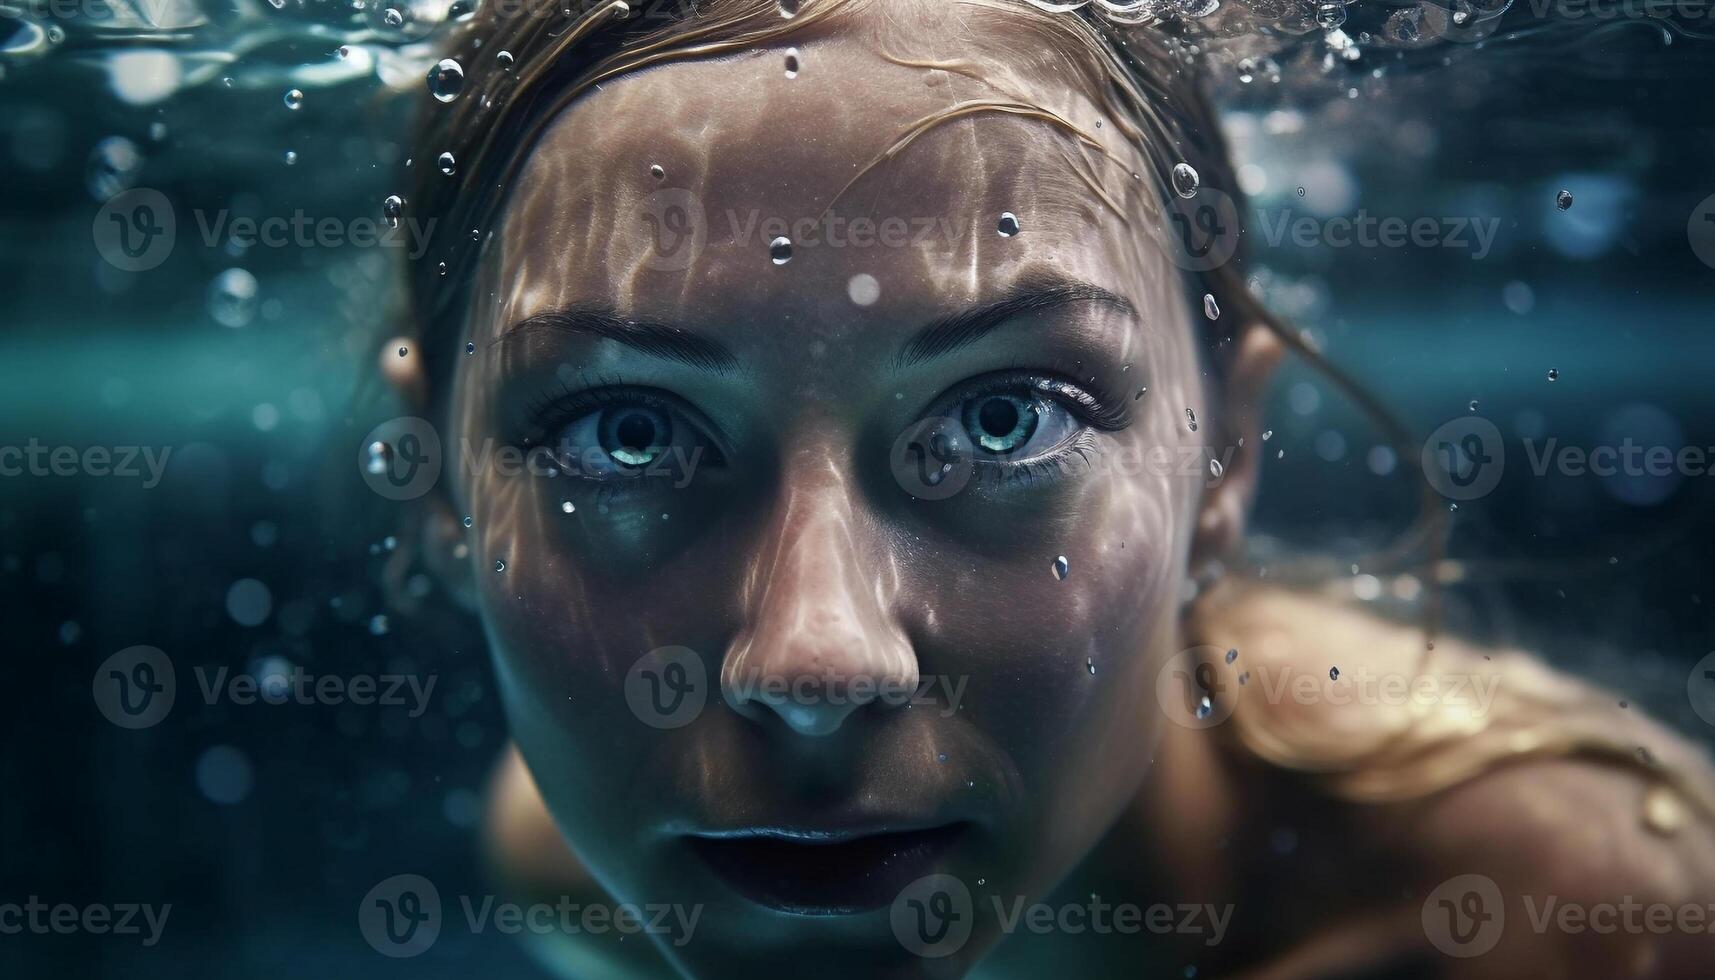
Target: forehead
x,y
887,164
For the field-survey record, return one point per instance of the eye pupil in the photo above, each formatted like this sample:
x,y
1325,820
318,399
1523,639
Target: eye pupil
x,y
998,416
634,436
636,431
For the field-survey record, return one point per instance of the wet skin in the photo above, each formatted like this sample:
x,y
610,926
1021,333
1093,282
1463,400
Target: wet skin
x,y
789,552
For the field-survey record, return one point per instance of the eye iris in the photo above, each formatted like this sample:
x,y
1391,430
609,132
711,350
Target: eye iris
x,y
634,436
1001,423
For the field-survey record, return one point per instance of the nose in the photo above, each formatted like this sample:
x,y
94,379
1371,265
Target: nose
x,y
820,640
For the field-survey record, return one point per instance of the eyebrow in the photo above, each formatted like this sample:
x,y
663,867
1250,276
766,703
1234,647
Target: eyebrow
x,y
950,333
939,338
647,336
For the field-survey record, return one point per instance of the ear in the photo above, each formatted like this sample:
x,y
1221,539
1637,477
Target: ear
x,y
1222,516
432,523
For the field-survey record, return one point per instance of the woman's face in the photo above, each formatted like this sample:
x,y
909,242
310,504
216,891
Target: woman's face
x,y
773,646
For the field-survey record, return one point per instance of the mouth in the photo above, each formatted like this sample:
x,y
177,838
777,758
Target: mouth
x,y
814,872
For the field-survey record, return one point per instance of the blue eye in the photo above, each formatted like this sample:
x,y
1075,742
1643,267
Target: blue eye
x,y
631,438
1015,425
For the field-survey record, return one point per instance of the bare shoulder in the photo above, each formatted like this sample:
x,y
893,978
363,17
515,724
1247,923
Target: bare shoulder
x,y
532,864
1541,827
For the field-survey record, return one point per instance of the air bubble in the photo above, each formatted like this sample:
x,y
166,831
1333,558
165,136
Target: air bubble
x,y
1008,226
391,208
567,507
1211,309
1554,374
1191,420
232,298
1215,468
377,457
780,250
504,59
392,17
1062,567
1330,14
1185,180
658,172
499,565
294,98
448,165
791,62
1563,200
446,80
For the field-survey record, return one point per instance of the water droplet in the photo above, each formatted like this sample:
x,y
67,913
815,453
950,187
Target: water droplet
x,y
1300,192
291,157
1185,180
1330,14
1191,420
788,8
448,165
1008,226
658,172
469,347
377,456
232,298
460,10
780,250
1563,200
1333,673
566,507
1232,655
1140,393
344,52
1554,374
1061,567
1090,662
1473,404
294,98
504,59
499,565
863,289
469,521
1215,468
391,208
403,351
1267,434
441,268
1211,309
392,17
446,80
791,62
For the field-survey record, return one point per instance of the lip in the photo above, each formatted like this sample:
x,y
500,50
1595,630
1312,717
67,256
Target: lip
x,y
823,871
